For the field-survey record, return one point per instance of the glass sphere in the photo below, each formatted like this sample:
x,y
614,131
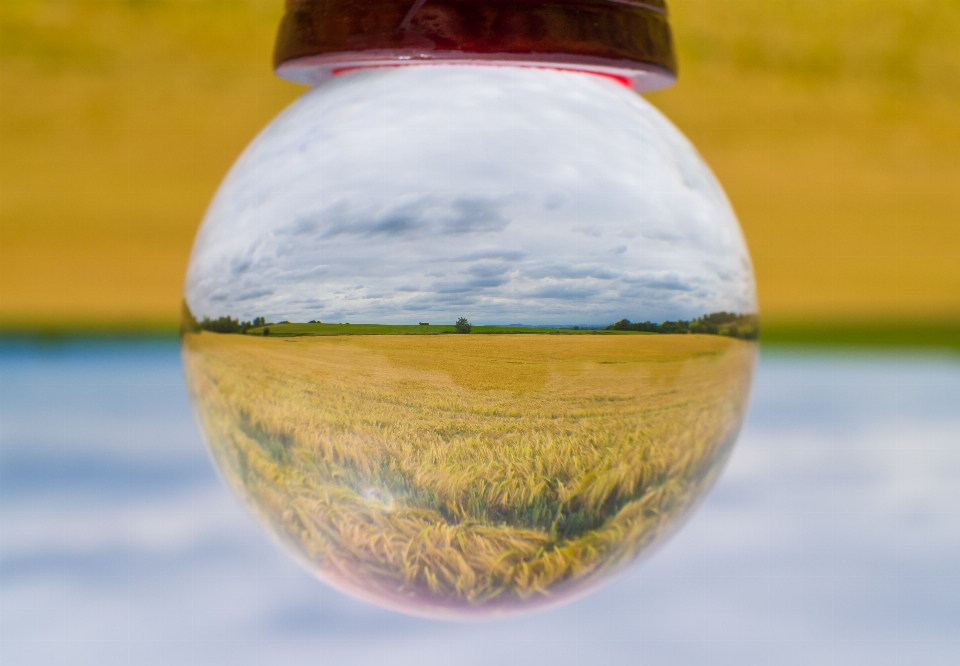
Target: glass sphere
x,y
468,340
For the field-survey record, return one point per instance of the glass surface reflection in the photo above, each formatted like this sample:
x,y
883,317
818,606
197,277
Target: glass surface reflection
x,y
489,433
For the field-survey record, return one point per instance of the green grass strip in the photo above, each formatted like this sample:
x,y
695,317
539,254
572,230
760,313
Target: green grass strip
x,y
876,333
897,333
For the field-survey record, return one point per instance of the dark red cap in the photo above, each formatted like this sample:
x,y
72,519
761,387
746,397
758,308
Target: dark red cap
x,y
623,38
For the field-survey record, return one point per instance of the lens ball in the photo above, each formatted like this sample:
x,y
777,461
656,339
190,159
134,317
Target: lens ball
x,y
468,340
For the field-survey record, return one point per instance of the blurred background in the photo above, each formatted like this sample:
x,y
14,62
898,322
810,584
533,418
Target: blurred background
x,y
834,126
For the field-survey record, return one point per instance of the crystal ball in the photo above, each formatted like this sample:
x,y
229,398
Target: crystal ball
x,y
469,340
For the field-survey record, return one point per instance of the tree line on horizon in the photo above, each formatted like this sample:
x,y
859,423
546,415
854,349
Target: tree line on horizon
x,y
226,324
731,324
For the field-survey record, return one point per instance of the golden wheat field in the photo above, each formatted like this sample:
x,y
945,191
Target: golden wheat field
x,y
468,474
832,126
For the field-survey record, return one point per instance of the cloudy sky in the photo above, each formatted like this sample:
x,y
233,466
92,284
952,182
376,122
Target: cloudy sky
x,y
832,538
504,195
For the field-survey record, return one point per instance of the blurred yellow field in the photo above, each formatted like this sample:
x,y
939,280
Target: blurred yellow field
x,y
468,471
833,127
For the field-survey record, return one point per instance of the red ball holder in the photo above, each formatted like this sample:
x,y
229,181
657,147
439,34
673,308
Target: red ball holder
x,y
627,40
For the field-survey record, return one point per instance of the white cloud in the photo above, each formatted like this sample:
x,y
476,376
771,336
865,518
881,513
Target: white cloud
x,y
833,532
500,194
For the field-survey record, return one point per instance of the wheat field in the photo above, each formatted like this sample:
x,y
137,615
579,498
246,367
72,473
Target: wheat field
x,y
468,474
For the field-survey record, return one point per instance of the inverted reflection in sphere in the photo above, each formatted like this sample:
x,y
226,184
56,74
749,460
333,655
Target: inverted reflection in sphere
x,y
520,458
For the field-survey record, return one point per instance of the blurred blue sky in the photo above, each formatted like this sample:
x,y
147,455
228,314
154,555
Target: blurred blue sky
x,y
832,538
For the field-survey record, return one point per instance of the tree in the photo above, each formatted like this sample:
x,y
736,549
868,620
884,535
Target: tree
x,y
228,324
188,323
463,326
731,324
625,325
679,326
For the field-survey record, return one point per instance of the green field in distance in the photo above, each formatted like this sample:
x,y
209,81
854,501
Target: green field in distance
x,y
296,329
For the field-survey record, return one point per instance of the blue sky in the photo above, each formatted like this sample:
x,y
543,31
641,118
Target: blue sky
x,y
505,195
832,537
